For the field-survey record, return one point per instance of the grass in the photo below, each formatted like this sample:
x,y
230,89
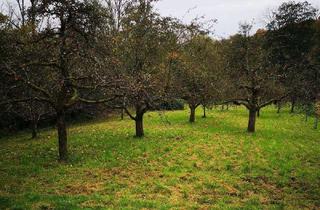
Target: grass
x,y
212,164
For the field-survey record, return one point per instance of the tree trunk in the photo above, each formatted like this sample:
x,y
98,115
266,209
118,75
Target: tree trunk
x,y
192,114
316,122
139,125
279,108
258,113
62,135
122,114
307,115
34,129
122,110
222,107
227,107
308,109
293,104
204,112
252,121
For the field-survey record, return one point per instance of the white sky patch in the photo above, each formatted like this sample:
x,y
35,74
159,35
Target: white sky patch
x,y
229,13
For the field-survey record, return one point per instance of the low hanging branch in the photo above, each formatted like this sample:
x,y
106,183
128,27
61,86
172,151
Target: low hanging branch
x,y
273,101
100,101
244,102
129,114
247,103
15,101
24,100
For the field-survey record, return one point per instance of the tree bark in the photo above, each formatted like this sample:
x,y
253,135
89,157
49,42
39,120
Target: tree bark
x,y
316,122
293,104
139,125
258,113
34,130
122,114
122,110
62,135
279,108
204,112
192,118
252,120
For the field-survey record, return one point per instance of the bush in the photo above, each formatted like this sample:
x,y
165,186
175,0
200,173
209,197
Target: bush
x,y
175,104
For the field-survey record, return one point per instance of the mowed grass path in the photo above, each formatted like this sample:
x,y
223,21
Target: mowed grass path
x,y
212,164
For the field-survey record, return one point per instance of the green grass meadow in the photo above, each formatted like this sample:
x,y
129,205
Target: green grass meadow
x,y
212,164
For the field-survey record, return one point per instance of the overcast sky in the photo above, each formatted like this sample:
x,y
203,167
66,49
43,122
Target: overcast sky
x,y
229,13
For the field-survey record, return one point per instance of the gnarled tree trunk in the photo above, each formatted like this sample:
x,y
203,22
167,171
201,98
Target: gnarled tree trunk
x,y
293,105
258,113
122,114
34,129
252,120
316,122
192,118
139,124
62,135
279,107
317,112
204,112
123,110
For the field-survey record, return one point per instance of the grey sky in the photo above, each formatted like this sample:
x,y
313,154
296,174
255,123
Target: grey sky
x,y
228,12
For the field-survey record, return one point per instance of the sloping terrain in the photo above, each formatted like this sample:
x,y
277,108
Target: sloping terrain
x,y
212,164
